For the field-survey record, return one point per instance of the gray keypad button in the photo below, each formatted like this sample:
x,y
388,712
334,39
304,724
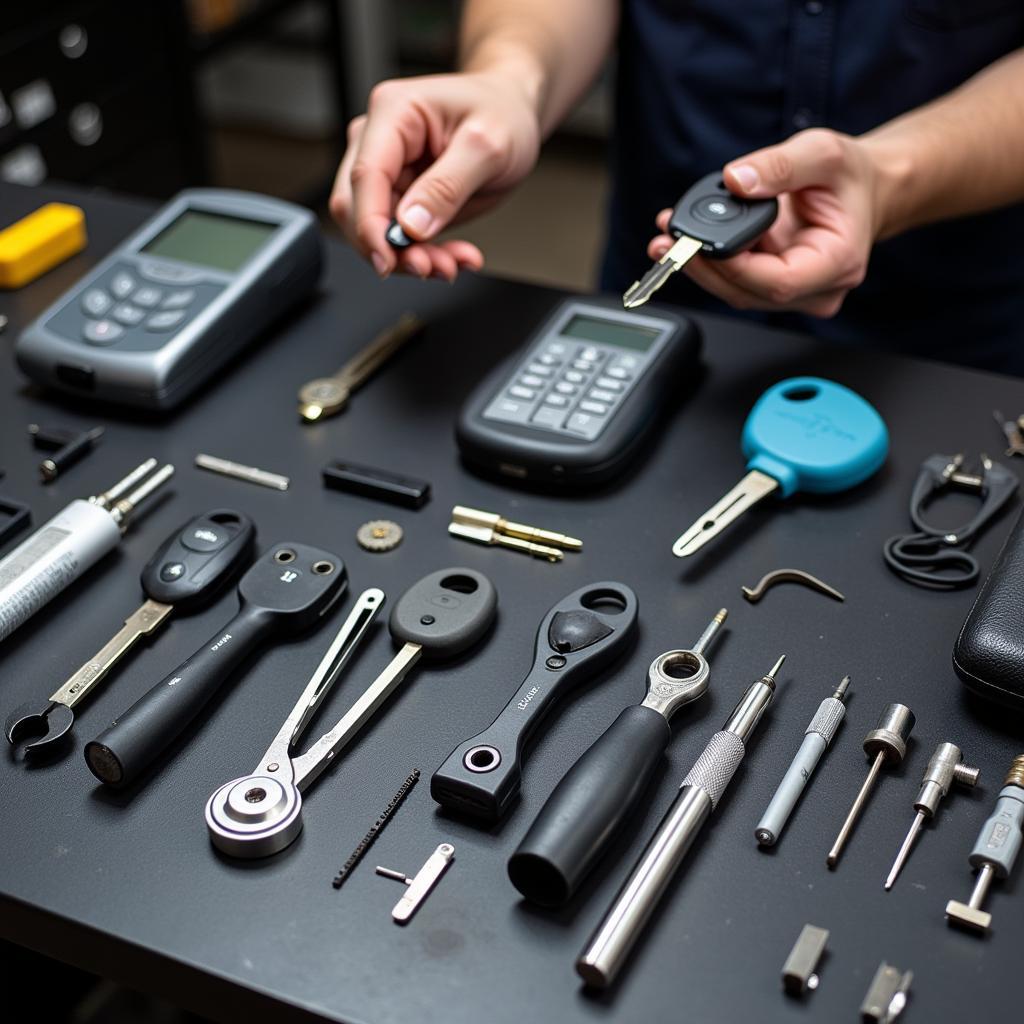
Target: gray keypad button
x,y
627,362
558,401
556,348
507,411
594,407
520,392
566,389
539,370
618,373
583,364
589,353
531,380
178,299
147,297
608,383
574,377
101,332
166,320
598,395
548,417
585,424
122,285
127,314
548,360
95,302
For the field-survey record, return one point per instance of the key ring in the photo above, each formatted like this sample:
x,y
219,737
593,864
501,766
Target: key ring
x,y
936,557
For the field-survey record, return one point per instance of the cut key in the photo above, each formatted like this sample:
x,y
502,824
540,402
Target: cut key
x,y
803,434
710,220
189,569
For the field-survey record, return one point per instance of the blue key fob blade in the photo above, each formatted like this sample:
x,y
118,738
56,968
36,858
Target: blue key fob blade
x,y
813,435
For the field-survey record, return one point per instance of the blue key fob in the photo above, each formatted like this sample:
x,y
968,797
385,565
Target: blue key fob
x,y
814,435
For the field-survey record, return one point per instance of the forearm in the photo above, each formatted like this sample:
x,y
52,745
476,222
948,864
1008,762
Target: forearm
x,y
553,49
958,155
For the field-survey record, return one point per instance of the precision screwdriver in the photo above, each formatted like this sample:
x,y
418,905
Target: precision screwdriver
x,y
817,737
609,946
73,541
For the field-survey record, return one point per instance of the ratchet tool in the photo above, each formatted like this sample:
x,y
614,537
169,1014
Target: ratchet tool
x,y
595,796
287,590
439,617
577,638
188,570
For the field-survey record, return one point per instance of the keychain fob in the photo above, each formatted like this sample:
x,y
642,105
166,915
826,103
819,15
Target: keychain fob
x,y
723,223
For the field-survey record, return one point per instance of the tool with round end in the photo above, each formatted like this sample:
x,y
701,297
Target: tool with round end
x,y
945,767
817,737
699,794
579,636
886,744
286,591
190,568
599,791
439,617
995,850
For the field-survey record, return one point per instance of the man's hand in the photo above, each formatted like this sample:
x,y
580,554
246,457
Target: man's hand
x,y
431,151
830,195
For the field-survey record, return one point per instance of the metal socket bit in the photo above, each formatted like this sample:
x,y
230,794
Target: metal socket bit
x,y
798,972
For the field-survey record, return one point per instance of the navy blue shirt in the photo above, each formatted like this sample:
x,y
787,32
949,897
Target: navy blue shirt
x,y
701,82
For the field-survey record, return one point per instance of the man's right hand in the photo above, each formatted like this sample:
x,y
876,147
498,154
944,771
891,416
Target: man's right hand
x,y
432,151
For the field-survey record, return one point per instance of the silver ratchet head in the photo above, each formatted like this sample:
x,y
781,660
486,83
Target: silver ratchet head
x,y
254,816
676,678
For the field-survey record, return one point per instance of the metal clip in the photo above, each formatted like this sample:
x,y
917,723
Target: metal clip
x,y
887,995
420,885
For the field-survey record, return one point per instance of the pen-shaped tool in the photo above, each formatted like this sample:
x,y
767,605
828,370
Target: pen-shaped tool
x,y
598,792
609,946
817,737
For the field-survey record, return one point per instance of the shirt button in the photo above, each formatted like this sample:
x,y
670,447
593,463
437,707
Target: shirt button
x,y
814,7
802,118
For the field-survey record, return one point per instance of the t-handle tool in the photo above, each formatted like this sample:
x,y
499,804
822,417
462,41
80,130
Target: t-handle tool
x,y
596,795
188,569
287,590
74,540
803,434
995,850
944,768
885,744
439,617
578,637
610,945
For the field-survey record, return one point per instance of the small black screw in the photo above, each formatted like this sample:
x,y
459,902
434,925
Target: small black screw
x,y
555,661
427,620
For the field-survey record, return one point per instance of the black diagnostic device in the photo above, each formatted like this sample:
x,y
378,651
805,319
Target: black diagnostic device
x,y
577,403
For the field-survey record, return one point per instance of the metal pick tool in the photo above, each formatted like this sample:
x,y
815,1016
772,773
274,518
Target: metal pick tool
x,y
420,885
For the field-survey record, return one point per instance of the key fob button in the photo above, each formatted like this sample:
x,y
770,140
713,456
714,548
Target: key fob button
x,y
716,209
101,332
172,571
204,537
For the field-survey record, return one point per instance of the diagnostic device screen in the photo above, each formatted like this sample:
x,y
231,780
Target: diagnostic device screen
x,y
210,240
611,332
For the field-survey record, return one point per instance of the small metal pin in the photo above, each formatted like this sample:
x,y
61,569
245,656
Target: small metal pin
x,y
420,885
225,467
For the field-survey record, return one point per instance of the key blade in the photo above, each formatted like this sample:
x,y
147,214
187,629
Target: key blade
x,y
749,491
366,362
678,256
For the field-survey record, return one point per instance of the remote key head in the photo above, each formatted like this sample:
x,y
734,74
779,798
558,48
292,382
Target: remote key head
x,y
200,558
723,223
293,585
446,612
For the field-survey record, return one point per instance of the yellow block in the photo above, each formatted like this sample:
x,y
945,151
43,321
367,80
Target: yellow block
x,y
34,244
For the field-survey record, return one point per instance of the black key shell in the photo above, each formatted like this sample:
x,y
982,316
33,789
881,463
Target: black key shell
x,y
739,226
446,612
206,572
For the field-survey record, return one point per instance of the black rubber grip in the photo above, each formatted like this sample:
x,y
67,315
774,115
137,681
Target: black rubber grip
x,y
588,806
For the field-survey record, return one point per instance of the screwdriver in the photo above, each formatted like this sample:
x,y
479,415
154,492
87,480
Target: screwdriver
x,y
886,744
69,544
708,219
610,945
944,768
189,568
803,434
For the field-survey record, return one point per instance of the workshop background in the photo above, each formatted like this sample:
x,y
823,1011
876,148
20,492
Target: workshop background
x,y
250,94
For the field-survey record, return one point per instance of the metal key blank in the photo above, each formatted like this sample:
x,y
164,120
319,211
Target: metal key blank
x,y
287,590
577,638
439,617
709,220
191,566
803,434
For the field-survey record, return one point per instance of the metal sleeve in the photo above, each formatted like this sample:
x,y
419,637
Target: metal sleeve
x,y
827,718
717,764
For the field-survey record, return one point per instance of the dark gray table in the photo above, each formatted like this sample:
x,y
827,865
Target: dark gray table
x,y
127,885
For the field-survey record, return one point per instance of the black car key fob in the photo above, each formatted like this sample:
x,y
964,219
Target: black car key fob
x,y
287,590
577,638
723,223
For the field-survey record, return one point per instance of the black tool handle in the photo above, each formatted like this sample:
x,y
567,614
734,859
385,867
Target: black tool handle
x,y
582,634
588,806
119,754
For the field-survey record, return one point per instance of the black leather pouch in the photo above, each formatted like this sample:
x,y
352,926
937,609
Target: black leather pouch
x,y
989,652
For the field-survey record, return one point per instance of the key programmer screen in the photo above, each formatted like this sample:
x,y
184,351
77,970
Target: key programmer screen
x,y
611,332
211,240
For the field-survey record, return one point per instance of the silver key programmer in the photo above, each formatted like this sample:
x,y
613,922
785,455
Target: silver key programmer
x,y
578,402
177,300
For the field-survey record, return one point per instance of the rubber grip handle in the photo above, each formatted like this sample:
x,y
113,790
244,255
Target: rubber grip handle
x,y
134,739
588,806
